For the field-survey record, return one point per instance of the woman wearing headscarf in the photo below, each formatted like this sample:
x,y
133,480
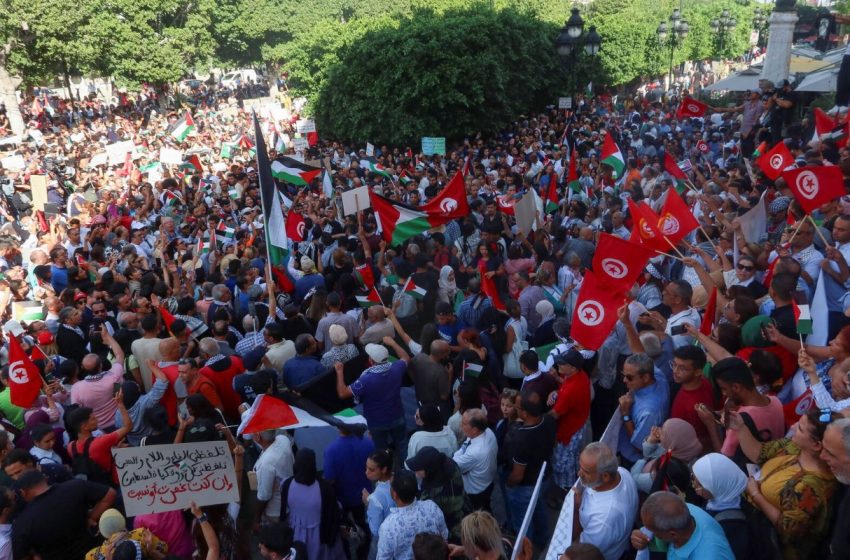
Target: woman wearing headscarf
x,y
718,479
676,436
442,483
545,333
342,351
309,505
432,432
447,290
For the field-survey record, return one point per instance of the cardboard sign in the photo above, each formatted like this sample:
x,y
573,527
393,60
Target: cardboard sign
x,y
159,478
300,144
355,200
565,103
38,188
305,125
433,145
98,159
170,156
370,149
117,152
14,163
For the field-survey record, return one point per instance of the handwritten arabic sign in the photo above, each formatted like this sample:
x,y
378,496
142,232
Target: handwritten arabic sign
x,y
161,478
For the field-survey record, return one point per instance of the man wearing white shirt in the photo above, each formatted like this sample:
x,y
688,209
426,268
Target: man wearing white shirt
x,y
606,501
677,296
272,468
476,458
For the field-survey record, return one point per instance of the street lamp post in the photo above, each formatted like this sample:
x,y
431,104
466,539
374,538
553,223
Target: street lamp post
x,y
722,26
759,22
572,38
672,36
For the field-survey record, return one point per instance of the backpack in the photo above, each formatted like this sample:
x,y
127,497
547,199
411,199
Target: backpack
x,y
85,468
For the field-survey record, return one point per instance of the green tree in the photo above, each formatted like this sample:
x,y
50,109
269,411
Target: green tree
x,y
439,75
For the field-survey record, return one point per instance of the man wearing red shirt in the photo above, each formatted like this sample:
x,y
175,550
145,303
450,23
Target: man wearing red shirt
x,y
196,383
693,389
169,349
221,370
572,411
83,421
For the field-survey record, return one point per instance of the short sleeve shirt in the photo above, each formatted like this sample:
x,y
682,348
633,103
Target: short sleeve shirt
x,y
379,390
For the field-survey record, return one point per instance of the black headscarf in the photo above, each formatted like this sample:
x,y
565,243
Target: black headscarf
x,y
130,393
305,467
432,419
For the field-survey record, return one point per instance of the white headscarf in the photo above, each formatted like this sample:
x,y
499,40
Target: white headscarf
x,y
448,285
722,477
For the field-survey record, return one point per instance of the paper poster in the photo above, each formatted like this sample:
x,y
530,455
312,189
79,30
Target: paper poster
x,y
370,149
300,144
117,152
433,145
305,125
170,156
14,163
38,188
565,103
355,200
158,478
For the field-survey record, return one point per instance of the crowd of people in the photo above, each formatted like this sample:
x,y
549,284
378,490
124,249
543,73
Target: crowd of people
x,y
702,427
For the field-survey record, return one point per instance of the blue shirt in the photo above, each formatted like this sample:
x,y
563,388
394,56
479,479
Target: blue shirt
x,y
450,331
706,543
301,369
378,507
650,408
395,539
345,465
379,389
58,278
307,283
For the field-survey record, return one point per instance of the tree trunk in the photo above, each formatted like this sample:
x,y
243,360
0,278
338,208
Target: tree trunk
x,y
66,73
8,84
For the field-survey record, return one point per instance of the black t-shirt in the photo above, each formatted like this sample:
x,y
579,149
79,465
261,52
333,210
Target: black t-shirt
x,y
55,523
784,317
533,446
839,544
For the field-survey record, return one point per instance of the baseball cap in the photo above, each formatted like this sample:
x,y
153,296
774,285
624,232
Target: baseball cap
x,y
377,353
425,456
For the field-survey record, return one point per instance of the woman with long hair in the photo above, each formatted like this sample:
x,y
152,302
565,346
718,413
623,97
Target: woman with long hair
x,y
379,470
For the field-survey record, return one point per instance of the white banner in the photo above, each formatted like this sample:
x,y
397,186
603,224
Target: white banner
x,y
305,125
117,152
159,478
170,156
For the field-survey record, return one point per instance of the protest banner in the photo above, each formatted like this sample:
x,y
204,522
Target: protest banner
x,y
38,188
300,144
158,478
117,152
170,156
304,126
565,103
370,149
355,200
13,163
433,145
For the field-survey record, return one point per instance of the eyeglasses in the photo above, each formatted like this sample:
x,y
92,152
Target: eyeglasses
x,y
747,268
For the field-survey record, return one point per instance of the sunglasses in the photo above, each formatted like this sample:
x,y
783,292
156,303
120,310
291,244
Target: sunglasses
x,y
747,268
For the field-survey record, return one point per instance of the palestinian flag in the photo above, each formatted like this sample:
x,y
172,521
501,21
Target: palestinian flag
x,y
552,199
167,317
399,222
761,149
267,413
233,192
411,288
183,128
244,142
226,150
370,299
612,156
278,143
365,276
290,170
803,318
472,370
671,167
204,246
171,199
282,279
194,162
404,178
371,164
222,229
273,223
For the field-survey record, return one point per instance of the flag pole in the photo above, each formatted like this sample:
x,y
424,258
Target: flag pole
x,y
817,230
797,229
668,255
673,246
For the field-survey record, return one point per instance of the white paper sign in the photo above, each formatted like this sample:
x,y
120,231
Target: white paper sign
x,y
300,144
14,163
370,149
98,159
170,156
158,478
565,103
305,125
117,151
355,199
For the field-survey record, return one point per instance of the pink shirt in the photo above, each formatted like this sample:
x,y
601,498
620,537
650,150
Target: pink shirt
x,y
171,528
96,393
769,421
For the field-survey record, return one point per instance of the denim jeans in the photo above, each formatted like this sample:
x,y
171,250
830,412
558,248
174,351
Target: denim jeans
x,y
518,498
395,433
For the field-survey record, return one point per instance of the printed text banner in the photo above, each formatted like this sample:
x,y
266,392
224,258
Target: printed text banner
x,y
161,478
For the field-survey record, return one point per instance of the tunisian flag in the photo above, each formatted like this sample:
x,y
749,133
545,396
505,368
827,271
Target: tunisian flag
x,y
596,312
775,161
645,231
617,262
815,185
24,379
451,201
296,227
690,107
676,220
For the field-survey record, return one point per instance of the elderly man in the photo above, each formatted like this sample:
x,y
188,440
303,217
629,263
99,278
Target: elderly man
x,y
305,366
221,298
272,468
128,330
376,327
476,458
221,370
644,406
836,454
335,316
691,533
606,501
70,338
96,390
677,296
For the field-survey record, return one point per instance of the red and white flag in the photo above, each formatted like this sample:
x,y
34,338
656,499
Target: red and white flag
x,y
617,262
815,185
24,379
645,229
451,201
296,227
676,220
267,413
690,107
775,161
596,312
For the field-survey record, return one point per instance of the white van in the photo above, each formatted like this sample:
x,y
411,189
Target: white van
x,y
237,77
